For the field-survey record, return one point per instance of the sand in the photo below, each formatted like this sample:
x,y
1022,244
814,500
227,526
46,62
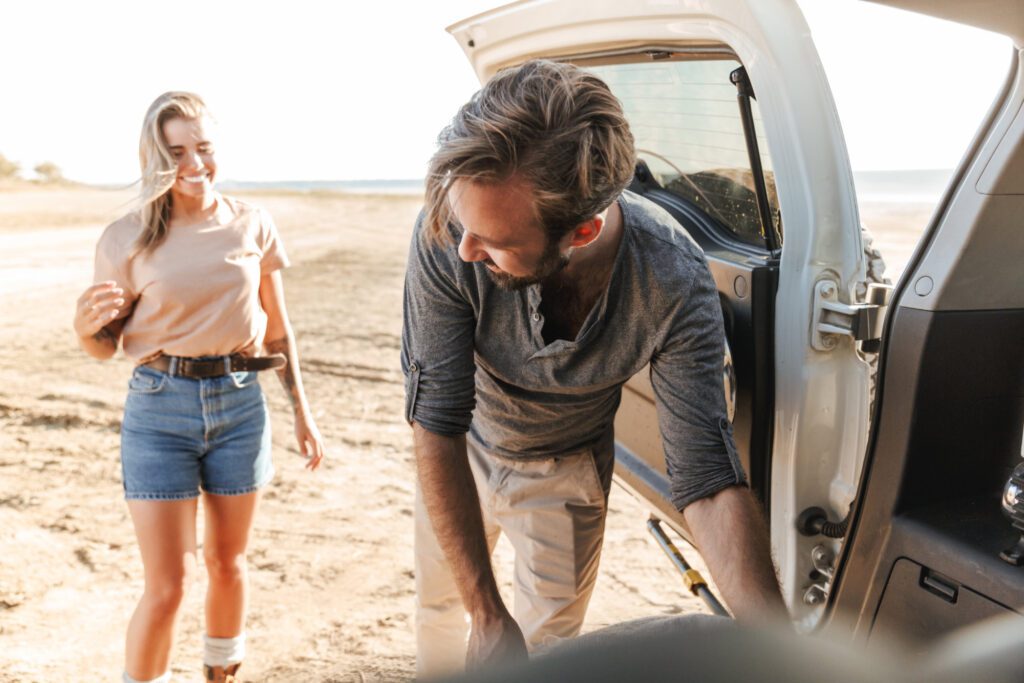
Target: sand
x,y
331,561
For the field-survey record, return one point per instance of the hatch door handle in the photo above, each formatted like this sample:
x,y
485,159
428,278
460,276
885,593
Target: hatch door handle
x,y
936,583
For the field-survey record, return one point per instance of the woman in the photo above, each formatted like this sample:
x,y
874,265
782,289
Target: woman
x,y
191,284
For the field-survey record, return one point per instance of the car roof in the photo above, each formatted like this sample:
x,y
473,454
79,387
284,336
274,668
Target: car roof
x,y
1000,16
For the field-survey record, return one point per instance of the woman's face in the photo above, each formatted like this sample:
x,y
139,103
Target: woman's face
x,y
190,144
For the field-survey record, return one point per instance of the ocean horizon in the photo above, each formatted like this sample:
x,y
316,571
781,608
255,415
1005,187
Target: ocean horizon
x,y
921,186
403,186
913,186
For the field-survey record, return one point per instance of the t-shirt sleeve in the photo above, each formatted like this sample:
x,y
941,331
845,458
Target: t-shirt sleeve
x,y
274,256
438,327
687,376
111,263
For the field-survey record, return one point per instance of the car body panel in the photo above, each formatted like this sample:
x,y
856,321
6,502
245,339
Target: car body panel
x,y
999,16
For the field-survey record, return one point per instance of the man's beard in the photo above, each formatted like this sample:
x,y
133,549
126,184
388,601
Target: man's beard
x,y
551,262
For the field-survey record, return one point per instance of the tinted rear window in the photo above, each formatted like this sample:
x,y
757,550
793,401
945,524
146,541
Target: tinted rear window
x,y
686,121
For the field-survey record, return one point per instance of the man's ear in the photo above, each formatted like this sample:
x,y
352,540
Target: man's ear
x,y
586,232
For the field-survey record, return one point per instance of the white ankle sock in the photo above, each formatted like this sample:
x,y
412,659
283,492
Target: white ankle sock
x,y
165,678
223,651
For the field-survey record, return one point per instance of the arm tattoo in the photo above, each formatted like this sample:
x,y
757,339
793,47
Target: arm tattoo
x,y
289,374
104,336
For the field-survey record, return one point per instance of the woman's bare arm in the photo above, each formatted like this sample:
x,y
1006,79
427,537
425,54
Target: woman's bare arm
x,y
281,339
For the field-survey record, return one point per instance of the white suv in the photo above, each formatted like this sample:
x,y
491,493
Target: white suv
x,y
898,528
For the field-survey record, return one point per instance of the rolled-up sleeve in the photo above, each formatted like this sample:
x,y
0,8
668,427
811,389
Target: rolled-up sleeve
x,y
274,256
437,340
687,374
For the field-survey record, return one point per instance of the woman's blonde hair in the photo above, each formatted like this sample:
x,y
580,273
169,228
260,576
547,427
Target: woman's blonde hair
x,y
159,167
551,124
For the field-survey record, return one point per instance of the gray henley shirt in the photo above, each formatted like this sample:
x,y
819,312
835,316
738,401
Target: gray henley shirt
x,y
475,360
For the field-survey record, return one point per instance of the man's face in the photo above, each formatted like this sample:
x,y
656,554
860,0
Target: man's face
x,y
500,229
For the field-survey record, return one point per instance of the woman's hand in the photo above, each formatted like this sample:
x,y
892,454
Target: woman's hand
x,y
311,444
96,322
97,308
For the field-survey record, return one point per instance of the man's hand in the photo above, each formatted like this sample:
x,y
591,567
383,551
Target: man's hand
x,y
494,640
733,539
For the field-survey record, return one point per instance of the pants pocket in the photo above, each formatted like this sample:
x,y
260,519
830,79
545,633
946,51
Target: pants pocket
x,y
241,380
591,486
553,512
146,381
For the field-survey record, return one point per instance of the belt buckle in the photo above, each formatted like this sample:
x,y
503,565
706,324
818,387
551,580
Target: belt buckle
x,y
198,368
227,365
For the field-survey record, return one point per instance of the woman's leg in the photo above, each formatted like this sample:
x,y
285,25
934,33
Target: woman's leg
x,y
166,531
229,521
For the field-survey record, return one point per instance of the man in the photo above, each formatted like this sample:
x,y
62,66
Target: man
x,y
536,287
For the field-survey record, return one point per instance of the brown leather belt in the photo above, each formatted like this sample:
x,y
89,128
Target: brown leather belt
x,y
199,368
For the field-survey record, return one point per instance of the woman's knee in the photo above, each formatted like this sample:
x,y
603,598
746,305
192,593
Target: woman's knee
x,y
224,567
167,591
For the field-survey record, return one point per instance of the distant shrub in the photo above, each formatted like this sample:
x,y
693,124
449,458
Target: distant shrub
x,y
8,168
49,172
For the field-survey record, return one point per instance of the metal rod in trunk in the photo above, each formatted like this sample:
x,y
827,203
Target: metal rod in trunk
x,y
695,583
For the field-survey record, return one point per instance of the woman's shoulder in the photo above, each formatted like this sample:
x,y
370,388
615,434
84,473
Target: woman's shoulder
x,y
121,234
240,208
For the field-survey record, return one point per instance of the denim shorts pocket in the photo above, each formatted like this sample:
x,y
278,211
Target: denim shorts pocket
x,y
241,380
146,381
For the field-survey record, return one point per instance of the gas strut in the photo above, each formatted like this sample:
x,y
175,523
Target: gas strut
x,y
745,93
694,582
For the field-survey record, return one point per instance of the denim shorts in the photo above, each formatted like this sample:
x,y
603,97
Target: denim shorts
x,y
181,434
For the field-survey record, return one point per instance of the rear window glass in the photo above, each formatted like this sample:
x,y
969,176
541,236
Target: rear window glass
x,y
686,121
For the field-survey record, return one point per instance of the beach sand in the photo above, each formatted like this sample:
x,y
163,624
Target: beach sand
x,y
331,562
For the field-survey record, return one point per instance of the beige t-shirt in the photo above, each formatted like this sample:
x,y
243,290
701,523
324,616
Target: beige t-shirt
x,y
197,294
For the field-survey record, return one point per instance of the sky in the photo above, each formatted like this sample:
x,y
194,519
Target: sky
x,y
317,90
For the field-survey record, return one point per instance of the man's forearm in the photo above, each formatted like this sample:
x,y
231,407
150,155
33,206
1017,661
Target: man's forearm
x,y
733,539
449,494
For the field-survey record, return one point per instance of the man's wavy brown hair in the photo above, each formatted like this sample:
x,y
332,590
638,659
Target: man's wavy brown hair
x,y
553,125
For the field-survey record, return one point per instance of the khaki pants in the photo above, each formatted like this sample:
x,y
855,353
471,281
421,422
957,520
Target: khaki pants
x,y
553,512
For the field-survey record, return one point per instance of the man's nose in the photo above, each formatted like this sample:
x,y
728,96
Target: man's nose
x,y
469,248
